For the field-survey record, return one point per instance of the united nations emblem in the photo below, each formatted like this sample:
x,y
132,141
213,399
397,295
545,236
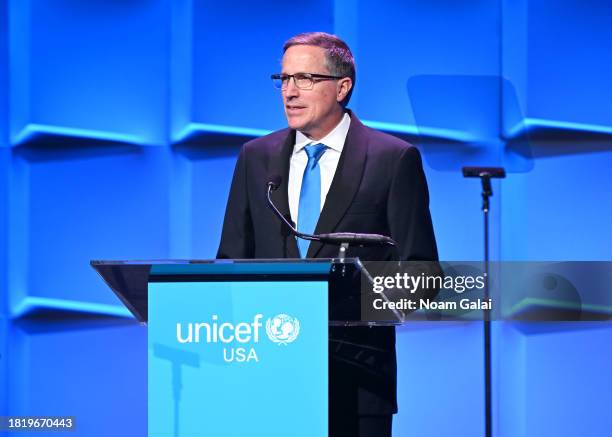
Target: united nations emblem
x,y
282,329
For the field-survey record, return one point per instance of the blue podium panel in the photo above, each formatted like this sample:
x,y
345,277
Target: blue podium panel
x,y
238,358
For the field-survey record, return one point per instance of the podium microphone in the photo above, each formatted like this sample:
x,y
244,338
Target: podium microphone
x,y
339,238
273,184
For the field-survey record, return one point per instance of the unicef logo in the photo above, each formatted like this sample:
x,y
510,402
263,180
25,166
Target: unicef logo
x,y
282,329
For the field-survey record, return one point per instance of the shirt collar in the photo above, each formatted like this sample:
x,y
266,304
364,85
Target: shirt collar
x,y
334,140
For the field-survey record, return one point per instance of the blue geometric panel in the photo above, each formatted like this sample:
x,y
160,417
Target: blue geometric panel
x,y
4,193
205,176
94,369
398,40
455,205
74,204
4,353
561,209
4,87
96,67
440,384
561,64
509,386
560,382
223,58
459,107
458,119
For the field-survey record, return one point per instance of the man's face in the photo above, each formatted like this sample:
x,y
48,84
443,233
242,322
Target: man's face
x,y
317,111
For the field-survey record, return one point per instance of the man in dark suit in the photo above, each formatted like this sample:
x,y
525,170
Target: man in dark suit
x,y
337,175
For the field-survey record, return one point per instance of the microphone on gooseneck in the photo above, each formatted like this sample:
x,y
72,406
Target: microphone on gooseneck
x,y
273,184
338,238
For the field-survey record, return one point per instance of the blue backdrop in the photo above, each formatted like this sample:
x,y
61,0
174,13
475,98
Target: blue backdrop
x,y
120,123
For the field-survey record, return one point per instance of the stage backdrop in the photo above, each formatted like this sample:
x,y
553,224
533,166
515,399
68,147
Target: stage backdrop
x,y
120,123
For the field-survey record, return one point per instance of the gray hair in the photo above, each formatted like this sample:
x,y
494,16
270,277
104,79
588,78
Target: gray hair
x,y
338,57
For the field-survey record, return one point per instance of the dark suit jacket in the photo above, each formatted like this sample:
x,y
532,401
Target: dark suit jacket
x,y
379,187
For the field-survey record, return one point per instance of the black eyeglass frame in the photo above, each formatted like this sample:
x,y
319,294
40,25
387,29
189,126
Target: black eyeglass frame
x,y
314,77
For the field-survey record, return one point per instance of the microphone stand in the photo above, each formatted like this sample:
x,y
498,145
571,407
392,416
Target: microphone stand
x,y
487,192
485,174
342,251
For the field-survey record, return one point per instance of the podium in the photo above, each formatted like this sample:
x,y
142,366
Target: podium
x,y
238,347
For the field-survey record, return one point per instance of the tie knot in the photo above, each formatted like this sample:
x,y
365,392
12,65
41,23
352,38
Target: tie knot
x,y
315,151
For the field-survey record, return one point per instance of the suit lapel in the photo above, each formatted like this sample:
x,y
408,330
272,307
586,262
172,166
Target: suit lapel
x,y
279,165
345,183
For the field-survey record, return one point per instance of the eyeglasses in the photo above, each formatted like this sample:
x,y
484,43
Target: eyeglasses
x,y
304,81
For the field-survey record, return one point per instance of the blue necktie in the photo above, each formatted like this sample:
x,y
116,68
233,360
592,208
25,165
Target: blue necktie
x,y
310,195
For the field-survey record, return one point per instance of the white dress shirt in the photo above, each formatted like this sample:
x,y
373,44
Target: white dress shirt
x,y
327,163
